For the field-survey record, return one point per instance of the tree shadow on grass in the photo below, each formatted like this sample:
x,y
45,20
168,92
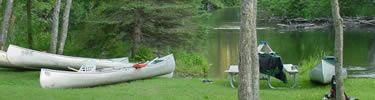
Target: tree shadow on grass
x,y
115,84
301,84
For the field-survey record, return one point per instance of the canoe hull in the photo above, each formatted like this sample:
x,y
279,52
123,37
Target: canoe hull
x,y
66,79
323,72
28,58
4,60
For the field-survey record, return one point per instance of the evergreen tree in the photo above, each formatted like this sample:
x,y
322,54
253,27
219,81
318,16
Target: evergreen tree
x,y
153,23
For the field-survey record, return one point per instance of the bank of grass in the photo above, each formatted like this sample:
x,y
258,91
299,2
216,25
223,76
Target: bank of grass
x,y
24,85
308,63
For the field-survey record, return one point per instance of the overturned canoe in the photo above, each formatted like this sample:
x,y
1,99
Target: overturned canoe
x,y
28,58
68,79
4,60
323,72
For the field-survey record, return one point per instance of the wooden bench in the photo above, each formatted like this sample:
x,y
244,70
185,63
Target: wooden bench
x,y
289,68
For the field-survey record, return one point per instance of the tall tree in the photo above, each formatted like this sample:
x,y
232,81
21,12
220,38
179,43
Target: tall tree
x,y
55,27
64,30
248,56
1,1
5,24
145,22
137,31
339,39
29,25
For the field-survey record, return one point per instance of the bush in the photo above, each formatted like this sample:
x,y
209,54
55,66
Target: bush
x,y
144,54
191,64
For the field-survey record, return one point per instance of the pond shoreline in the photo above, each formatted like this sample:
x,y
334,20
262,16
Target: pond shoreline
x,y
314,23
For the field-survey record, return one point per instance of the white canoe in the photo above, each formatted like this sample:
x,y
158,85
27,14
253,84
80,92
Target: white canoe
x,y
28,58
68,79
323,72
4,60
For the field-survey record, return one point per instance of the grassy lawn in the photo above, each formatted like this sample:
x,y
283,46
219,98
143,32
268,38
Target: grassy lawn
x,y
21,85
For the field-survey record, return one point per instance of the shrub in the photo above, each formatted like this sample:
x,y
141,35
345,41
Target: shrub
x,y
191,64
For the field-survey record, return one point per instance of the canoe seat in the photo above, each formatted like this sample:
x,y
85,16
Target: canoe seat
x,y
152,61
89,66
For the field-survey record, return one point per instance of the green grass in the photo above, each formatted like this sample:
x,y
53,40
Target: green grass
x,y
308,63
24,85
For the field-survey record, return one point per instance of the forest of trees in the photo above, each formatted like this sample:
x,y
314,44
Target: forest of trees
x,y
98,28
314,8
140,29
117,28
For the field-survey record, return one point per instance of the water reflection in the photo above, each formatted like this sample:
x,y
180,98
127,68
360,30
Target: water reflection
x,y
292,45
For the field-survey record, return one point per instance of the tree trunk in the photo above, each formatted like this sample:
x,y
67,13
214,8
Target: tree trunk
x,y
248,56
55,27
137,33
1,1
12,29
339,39
65,24
5,24
29,27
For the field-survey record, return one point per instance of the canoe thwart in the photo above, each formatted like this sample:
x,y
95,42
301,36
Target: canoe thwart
x,y
89,66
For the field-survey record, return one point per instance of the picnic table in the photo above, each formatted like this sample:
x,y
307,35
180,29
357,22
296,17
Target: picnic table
x,y
270,65
289,68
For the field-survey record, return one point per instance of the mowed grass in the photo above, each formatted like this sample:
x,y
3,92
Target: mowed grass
x,y
24,85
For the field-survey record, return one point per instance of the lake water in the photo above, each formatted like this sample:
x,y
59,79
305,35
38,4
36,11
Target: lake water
x,y
291,45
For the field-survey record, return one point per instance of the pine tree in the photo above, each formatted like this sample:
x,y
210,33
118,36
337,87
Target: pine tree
x,y
151,23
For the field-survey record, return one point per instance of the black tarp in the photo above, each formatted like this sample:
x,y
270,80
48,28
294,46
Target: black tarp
x,y
271,64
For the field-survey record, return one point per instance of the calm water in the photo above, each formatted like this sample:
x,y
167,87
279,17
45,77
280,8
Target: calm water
x,y
291,45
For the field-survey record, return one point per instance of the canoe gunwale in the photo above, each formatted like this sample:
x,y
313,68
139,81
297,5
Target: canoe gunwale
x,y
28,58
103,72
50,78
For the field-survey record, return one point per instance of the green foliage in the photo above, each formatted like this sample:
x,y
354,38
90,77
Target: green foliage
x,y
271,8
313,8
165,24
307,64
357,7
294,8
103,29
144,54
216,3
231,3
316,8
40,19
190,64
